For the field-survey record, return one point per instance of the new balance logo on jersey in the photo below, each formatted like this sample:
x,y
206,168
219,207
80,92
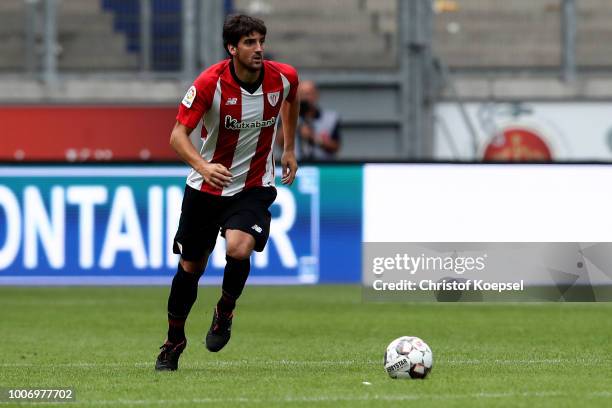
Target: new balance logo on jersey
x,y
257,228
231,101
234,124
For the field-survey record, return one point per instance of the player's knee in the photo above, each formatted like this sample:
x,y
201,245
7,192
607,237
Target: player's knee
x,y
239,244
195,267
239,249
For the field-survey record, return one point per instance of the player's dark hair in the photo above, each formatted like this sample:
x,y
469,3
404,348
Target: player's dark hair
x,y
237,26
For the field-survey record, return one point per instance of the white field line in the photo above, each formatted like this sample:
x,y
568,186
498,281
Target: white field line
x,y
195,365
551,361
313,363
340,398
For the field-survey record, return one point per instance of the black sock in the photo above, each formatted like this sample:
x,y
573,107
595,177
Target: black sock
x,y
183,294
234,278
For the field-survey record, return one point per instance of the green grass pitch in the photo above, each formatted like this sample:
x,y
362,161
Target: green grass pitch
x,y
302,347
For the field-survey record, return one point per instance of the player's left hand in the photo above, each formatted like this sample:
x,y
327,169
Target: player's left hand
x,y
289,164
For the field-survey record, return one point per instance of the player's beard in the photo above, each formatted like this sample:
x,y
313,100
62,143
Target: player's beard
x,y
250,64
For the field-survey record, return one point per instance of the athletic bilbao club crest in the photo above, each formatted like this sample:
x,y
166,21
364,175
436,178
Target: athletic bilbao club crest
x,y
273,98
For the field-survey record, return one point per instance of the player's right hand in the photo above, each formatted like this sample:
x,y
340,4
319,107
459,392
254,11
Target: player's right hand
x,y
215,174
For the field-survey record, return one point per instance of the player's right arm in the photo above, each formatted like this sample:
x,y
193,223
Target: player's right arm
x,y
195,104
214,174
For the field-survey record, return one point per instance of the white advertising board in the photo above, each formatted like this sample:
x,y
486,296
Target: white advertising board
x,y
487,203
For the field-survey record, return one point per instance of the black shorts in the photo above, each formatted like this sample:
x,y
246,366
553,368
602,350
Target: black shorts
x,y
203,215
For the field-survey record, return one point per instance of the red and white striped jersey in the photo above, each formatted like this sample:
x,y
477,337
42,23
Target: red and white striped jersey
x,y
239,128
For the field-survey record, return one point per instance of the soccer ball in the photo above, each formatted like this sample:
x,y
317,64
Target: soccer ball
x,y
408,357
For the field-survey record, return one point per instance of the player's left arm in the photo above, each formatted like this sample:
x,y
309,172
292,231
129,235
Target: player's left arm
x,y
290,111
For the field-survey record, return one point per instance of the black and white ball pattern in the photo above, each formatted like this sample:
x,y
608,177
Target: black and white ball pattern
x,y
408,357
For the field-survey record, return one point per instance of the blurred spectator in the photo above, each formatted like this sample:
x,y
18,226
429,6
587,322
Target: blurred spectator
x,y
318,131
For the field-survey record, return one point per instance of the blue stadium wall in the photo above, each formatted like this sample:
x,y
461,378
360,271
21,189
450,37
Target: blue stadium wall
x,y
113,224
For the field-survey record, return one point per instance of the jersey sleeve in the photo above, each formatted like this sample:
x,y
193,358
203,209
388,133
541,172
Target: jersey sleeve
x,y
197,101
292,76
293,83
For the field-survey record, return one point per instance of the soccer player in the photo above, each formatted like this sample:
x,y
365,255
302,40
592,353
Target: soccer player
x,y
231,185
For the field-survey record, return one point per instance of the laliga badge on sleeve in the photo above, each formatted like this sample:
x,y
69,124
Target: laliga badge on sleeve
x,y
189,97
